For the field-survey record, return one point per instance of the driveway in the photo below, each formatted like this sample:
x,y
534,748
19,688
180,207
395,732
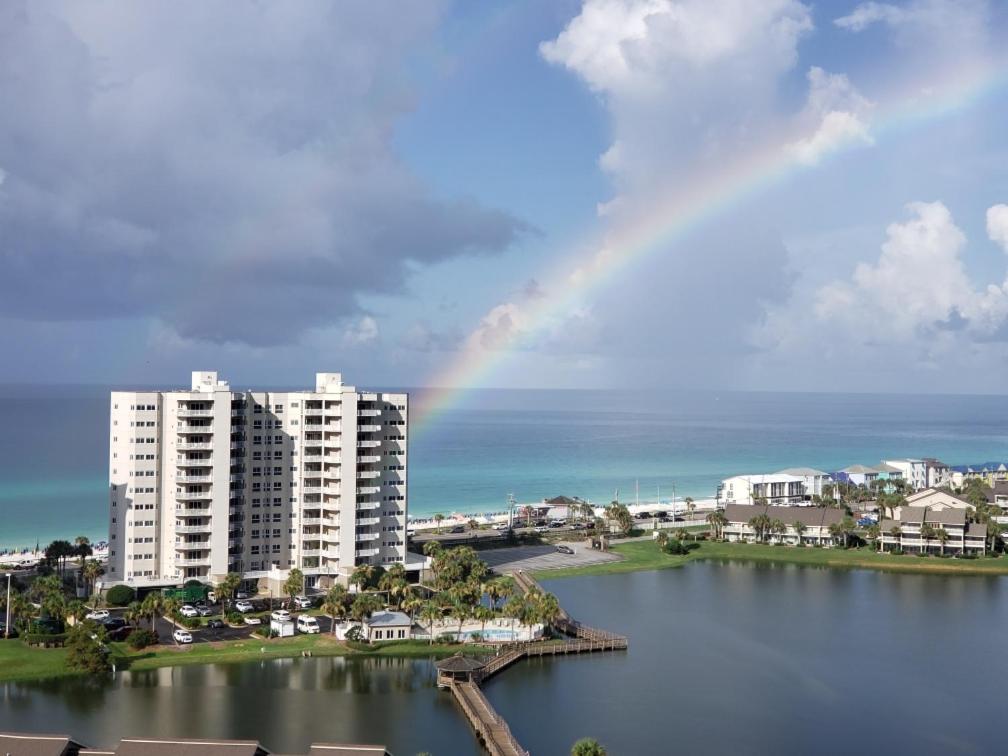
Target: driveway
x,y
543,558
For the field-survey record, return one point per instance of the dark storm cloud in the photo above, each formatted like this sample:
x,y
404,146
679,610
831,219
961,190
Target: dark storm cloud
x,y
226,168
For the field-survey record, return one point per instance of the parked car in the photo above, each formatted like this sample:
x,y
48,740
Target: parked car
x,y
97,614
541,523
577,526
302,602
307,624
663,515
112,623
188,611
281,615
541,528
253,621
557,524
457,529
204,611
500,526
244,606
182,636
643,515
215,624
241,595
120,633
564,549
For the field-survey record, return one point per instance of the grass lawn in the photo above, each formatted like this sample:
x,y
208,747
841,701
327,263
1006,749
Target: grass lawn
x,y
19,662
645,555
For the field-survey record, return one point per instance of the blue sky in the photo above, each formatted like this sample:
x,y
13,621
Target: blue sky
x,y
392,189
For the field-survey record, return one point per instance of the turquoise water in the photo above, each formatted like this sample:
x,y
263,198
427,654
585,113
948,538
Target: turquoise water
x,y
535,444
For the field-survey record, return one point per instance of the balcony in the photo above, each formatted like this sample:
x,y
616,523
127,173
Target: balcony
x,y
367,490
311,458
194,446
364,537
367,506
193,479
368,444
183,412
311,489
193,562
187,429
368,474
368,413
313,411
308,521
368,459
311,552
190,496
367,552
365,521
184,529
368,428
201,462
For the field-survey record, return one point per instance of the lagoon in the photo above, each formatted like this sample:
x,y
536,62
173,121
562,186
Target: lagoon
x,y
725,657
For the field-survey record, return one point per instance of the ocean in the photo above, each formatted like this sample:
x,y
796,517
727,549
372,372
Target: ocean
x,y
534,444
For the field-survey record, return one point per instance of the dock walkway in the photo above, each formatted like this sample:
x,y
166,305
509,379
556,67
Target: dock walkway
x,y
490,727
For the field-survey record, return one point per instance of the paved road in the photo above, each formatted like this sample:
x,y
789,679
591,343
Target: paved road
x,y
212,635
543,558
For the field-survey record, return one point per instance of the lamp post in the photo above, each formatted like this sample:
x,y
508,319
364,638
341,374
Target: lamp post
x,y
7,625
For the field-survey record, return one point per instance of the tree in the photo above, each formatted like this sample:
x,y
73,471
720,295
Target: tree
x,y
717,521
227,588
690,505
993,532
430,613
760,525
293,586
472,525
662,540
496,590
588,747
133,613
57,552
778,528
438,518
927,532
364,606
620,516
335,604
799,528
362,576
87,654
513,608
171,606
896,532
874,534
943,536
846,529
483,614
91,571
152,606
82,548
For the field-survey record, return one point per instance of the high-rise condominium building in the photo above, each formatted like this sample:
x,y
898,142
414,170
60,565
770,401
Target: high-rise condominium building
x,y
212,480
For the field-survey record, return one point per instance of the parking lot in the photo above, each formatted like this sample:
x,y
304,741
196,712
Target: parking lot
x,y
543,558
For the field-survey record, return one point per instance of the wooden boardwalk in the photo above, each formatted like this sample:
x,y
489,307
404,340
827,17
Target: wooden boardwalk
x,y
490,727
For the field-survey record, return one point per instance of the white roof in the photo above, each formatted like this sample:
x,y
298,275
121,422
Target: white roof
x,y
388,619
802,471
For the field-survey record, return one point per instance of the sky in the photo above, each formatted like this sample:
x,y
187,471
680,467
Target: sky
x,y
731,194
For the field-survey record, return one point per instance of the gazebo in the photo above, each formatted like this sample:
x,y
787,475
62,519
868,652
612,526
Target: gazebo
x,y
458,668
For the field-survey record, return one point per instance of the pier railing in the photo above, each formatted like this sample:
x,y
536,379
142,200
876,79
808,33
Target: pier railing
x,y
489,725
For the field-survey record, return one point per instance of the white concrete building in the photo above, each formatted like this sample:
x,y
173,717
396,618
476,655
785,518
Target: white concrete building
x,y
914,471
211,480
795,485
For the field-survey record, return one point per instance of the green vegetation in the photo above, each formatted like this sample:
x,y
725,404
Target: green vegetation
x,y
120,595
588,747
646,555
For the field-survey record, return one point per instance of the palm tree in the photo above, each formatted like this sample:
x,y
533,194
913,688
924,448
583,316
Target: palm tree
x,y
362,575
513,608
227,587
170,606
430,613
133,613
690,505
799,529
412,603
75,610
717,521
483,614
335,604
662,540
82,548
588,747
152,606
874,533
927,532
943,536
438,518
778,528
547,608
91,571
760,525
993,532
293,585
835,531
896,532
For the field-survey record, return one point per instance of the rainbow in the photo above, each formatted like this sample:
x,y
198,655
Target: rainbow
x,y
676,215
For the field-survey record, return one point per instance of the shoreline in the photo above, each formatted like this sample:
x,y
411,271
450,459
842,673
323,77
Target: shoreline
x,y
643,555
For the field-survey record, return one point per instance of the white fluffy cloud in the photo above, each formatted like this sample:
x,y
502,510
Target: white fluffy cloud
x,y
866,14
997,225
841,113
915,302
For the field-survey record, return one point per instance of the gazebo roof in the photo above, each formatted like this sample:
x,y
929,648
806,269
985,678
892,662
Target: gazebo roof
x,y
459,663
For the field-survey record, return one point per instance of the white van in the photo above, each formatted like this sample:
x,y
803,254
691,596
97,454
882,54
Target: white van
x,y
307,624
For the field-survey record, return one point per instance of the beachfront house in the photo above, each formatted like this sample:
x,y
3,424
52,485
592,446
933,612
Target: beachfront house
x,y
793,486
913,471
386,626
867,475
908,532
986,472
800,525
998,495
937,499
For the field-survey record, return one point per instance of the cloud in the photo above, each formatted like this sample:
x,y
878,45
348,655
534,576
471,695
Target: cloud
x,y
866,14
228,172
362,331
915,302
841,112
997,225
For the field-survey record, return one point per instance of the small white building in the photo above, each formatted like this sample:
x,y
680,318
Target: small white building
x,y
386,626
795,485
914,471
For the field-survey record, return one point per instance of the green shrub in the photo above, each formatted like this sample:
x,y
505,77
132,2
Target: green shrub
x,y
46,640
192,623
120,595
355,634
141,638
85,654
234,618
